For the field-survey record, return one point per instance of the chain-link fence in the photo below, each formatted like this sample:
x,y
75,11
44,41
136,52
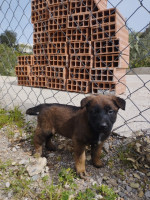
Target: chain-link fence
x,y
60,51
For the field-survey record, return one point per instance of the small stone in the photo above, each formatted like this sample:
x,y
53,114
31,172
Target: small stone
x,y
148,174
97,197
94,183
99,180
7,184
14,149
136,175
46,169
23,162
141,194
112,182
10,194
36,168
51,155
71,197
88,157
13,163
148,157
60,146
147,194
106,147
35,177
66,186
121,194
135,185
129,189
105,178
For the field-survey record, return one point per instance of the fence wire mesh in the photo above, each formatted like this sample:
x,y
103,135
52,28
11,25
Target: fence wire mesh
x,y
58,42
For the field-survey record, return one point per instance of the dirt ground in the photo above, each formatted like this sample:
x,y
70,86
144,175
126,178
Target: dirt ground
x,y
127,181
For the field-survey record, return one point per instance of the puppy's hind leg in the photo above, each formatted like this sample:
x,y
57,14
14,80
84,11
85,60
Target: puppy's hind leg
x,y
48,144
39,139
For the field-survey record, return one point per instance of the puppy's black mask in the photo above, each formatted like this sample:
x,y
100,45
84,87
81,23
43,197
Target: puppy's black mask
x,y
101,121
102,115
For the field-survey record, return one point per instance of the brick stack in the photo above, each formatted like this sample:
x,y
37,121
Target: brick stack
x,y
111,51
78,46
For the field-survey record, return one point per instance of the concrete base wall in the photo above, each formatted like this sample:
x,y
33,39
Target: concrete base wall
x,y
139,70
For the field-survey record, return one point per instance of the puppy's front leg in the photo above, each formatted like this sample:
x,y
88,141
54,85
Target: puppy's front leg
x,y
79,155
96,153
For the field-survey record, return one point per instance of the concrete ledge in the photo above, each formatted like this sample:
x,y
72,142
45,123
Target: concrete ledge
x,y
139,70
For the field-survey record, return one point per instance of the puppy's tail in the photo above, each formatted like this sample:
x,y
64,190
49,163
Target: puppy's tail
x,y
37,109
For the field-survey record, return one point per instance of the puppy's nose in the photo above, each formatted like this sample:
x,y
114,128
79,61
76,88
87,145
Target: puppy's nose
x,y
104,125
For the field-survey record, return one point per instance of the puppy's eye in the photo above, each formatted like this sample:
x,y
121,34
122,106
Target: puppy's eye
x,y
110,112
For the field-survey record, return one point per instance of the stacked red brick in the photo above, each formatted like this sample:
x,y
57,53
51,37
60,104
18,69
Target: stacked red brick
x,y
50,47
79,46
111,51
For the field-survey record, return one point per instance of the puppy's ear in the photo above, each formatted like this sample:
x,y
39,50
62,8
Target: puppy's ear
x,y
120,102
84,102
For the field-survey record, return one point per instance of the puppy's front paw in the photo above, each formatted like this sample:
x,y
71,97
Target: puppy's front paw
x,y
37,155
83,175
98,163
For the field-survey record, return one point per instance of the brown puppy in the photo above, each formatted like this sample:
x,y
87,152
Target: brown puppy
x,y
90,124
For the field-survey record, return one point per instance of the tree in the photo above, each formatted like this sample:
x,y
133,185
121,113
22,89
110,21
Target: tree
x,y
8,60
140,48
9,38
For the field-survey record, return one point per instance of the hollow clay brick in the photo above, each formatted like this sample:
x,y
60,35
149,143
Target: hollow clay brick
x,y
40,38
58,23
41,59
80,48
82,61
40,49
38,81
24,80
107,74
57,36
39,15
56,72
111,46
82,34
111,60
78,86
56,83
79,73
37,70
109,87
40,27
25,60
22,70
58,60
57,48
38,5
79,20
58,10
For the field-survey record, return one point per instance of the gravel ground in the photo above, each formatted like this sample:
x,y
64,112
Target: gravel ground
x,y
128,182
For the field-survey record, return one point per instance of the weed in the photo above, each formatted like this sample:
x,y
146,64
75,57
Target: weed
x,y
11,117
88,194
66,177
125,152
107,193
111,163
5,165
45,179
